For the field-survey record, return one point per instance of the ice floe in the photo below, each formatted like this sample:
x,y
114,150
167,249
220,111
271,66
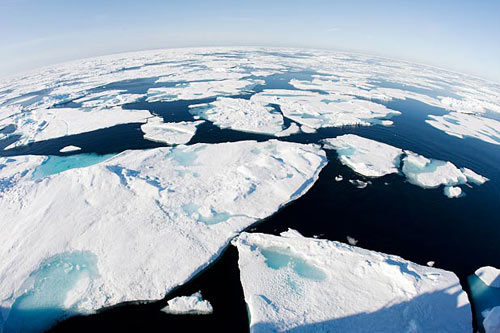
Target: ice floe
x,y
241,115
45,124
452,191
107,99
491,322
375,159
171,213
489,275
194,304
314,110
465,125
295,283
366,157
69,148
172,133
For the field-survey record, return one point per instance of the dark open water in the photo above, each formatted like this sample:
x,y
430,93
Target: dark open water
x,y
390,215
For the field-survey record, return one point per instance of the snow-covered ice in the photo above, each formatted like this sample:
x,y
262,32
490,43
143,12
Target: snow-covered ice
x,y
107,99
452,191
194,304
489,275
69,148
466,125
172,212
172,133
359,183
366,157
241,115
45,124
375,159
295,283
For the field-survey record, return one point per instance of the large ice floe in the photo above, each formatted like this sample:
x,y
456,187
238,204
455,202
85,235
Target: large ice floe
x,y
374,159
485,295
314,110
293,283
172,133
241,114
135,225
45,124
466,125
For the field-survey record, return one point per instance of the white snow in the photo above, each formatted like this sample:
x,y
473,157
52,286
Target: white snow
x,y
194,304
45,124
366,157
292,129
241,115
466,125
491,322
452,191
171,213
489,275
107,99
172,133
306,284
69,148
339,178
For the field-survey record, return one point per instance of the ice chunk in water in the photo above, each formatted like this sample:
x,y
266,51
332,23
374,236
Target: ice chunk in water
x,y
194,304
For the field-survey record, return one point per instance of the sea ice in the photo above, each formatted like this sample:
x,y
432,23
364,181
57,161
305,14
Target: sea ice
x,y
70,148
453,191
315,110
491,322
171,213
45,124
241,115
295,283
194,304
107,99
172,133
489,275
366,157
56,164
466,125
473,177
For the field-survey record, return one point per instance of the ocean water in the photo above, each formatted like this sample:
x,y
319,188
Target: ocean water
x,y
389,215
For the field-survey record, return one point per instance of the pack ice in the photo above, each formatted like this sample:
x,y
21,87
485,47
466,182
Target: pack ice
x,y
70,246
293,283
375,159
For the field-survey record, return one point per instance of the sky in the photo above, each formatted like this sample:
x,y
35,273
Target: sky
x,y
463,36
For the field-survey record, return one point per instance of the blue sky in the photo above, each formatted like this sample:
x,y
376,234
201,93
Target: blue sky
x,y
458,35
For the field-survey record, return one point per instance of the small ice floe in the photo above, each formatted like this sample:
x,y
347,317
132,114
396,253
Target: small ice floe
x,y
68,149
291,282
352,240
359,183
339,178
194,304
172,133
431,263
489,275
453,191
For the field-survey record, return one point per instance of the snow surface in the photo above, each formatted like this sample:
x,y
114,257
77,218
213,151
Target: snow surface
x,y
172,133
295,283
366,157
473,177
465,125
107,99
489,275
172,212
241,115
45,124
69,148
194,304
